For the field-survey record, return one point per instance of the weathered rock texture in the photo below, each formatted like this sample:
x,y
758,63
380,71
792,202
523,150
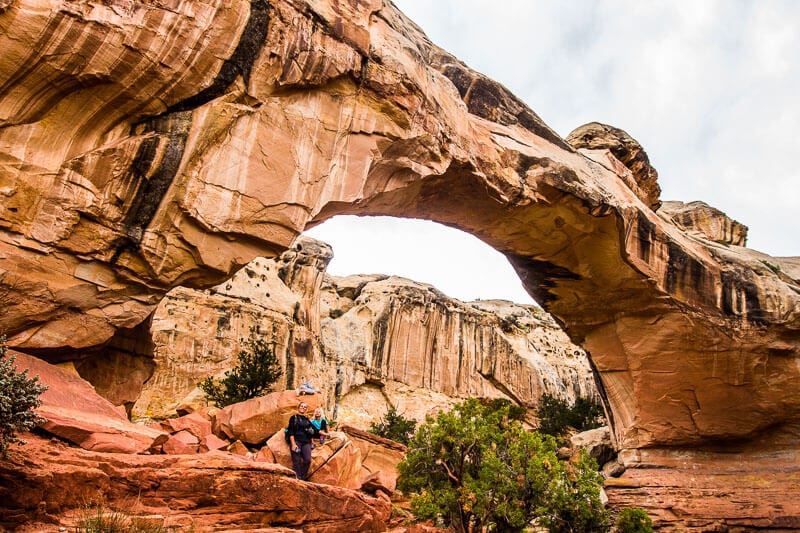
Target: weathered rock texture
x,y
611,146
379,458
709,223
699,491
75,413
144,147
427,350
368,342
45,483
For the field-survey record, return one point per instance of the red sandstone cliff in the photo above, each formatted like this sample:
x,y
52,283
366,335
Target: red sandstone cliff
x,y
146,147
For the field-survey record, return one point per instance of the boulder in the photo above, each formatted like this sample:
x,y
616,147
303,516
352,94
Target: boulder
x,y
264,455
198,423
238,448
375,483
212,442
45,484
256,420
596,442
181,442
379,459
75,412
336,462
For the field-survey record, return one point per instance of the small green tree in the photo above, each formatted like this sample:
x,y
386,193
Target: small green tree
x,y
257,371
19,396
556,415
394,426
633,520
480,469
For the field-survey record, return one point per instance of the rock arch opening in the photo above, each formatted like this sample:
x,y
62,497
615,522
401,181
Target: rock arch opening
x,y
454,262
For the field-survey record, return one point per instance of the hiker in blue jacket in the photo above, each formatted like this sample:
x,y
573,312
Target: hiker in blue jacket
x,y
320,423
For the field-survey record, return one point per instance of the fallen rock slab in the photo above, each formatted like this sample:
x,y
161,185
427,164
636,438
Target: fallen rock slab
x,y
256,420
75,412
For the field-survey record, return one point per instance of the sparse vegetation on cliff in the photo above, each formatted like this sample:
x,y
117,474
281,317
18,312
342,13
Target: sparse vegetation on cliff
x,y
19,396
478,468
257,371
394,426
557,415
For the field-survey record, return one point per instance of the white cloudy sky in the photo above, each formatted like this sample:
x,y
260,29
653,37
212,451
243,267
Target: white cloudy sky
x,y
709,88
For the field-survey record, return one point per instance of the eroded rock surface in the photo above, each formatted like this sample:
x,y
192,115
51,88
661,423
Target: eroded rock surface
x,y
368,342
710,223
131,163
611,146
76,413
46,484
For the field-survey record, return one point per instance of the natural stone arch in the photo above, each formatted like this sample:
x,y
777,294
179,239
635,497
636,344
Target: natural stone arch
x,y
127,176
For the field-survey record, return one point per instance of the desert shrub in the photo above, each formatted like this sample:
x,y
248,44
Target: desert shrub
x,y
394,426
633,520
556,415
19,396
257,371
477,468
98,518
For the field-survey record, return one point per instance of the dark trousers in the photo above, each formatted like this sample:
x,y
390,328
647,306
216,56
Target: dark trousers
x,y
301,461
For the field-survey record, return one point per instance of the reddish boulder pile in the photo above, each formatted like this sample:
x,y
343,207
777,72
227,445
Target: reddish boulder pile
x,y
227,466
46,484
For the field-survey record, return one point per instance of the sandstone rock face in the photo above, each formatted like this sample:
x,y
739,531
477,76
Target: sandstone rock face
x,y
133,163
697,491
205,492
710,223
196,334
610,146
427,350
379,458
378,342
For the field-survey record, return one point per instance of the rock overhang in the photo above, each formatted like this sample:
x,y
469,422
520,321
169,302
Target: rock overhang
x,y
282,114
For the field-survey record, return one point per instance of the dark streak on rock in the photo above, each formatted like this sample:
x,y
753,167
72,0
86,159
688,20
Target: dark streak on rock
x,y
379,331
241,61
539,277
490,100
734,283
681,266
173,130
646,232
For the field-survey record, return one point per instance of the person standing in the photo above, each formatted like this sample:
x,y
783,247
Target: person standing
x,y
320,423
301,431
